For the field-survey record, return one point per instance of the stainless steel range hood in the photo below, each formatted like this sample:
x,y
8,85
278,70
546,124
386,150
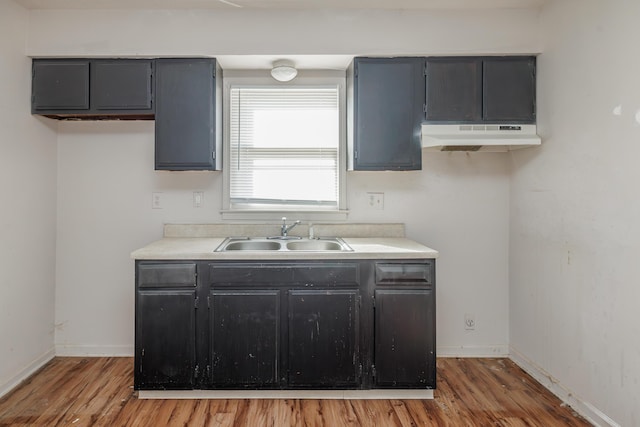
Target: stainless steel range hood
x,y
478,137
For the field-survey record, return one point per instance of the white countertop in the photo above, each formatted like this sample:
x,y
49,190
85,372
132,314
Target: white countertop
x,y
203,248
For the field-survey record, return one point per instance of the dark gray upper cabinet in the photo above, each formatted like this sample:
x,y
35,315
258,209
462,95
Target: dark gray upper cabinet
x,y
509,89
188,114
121,84
454,89
387,99
88,88
60,85
481,89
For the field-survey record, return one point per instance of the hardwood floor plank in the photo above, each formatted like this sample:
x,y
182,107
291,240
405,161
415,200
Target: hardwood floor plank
x,y
99,392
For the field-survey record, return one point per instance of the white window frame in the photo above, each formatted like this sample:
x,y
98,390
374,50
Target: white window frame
x,y
261,78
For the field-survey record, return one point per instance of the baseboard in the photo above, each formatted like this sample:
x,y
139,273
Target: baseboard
x,y
26,372
588,411
473,351
94,350
386,394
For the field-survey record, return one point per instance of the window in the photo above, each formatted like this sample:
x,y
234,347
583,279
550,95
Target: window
x,y
284,146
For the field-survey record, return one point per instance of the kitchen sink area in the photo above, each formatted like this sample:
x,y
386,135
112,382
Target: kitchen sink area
x,y
270,311
289,243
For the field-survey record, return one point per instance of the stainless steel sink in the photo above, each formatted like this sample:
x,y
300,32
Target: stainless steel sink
x,y
316,245
253,245
332,244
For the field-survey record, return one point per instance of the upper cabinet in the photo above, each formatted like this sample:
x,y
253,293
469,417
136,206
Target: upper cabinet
x,y
121,84
92,87
481,89
386,108
188,114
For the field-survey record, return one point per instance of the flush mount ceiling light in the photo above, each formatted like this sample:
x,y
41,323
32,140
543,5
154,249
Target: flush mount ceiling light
x,y
283,71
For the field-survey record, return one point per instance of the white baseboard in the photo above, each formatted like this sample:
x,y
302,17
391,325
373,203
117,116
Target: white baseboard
x,y
94,350
588,411
286,394
26,372
473,351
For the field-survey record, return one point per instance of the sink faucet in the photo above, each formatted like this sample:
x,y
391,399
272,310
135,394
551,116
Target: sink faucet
x,y
286,228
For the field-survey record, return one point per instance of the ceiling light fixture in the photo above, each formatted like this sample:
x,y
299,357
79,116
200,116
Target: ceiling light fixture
x,y
283,70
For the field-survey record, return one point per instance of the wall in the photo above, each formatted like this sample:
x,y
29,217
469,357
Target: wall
x,y
574,214
27,217
458,204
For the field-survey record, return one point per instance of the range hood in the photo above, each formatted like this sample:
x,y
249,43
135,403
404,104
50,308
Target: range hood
x,y
478,137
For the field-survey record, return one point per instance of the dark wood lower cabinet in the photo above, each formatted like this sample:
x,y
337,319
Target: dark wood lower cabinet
x,y
323,338
405,353
165,339
285,325
245,338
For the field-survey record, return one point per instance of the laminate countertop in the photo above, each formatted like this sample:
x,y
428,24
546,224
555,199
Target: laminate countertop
x,y
203,248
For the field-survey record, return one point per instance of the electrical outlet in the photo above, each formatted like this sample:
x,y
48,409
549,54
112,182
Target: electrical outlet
x,y
157,200
469,322
376,200
198,199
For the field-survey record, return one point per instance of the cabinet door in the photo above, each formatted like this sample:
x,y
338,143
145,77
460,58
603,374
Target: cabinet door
x,y
404,354
245,338
323,338
185,122
388,108
165,339
121,84
454,90
509,86
60,84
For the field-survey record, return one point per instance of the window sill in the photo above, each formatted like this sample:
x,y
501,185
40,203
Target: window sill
x,y
266,215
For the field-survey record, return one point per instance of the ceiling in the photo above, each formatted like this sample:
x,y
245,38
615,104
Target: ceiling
x,y
278,4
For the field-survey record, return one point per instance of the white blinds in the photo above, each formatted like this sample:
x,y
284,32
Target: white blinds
x,y
284,146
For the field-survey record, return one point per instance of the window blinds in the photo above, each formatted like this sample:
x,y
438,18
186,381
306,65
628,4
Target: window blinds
x,y
284,146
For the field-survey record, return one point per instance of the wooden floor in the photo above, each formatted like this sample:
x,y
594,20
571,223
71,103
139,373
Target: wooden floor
x,y
99,392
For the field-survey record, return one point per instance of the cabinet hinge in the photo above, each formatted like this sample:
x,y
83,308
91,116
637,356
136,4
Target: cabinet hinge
x,y
196,302
424,70
424,108
355,154
373,371
213,155
208,306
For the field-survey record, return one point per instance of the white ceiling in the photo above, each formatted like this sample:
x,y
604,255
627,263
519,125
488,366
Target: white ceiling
x,y
278,4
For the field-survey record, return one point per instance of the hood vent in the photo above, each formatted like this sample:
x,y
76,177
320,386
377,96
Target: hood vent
x,y
478,137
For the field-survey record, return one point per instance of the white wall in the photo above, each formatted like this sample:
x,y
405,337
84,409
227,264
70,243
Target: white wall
x,y
458,204
574,213
27,216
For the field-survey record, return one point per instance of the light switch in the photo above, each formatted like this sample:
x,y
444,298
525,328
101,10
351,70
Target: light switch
x,y
157,200
198,199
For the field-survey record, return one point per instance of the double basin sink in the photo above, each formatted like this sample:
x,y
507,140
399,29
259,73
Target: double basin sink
x,y
331,244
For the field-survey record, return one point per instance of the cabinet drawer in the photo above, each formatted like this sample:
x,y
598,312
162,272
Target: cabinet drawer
x,y
404,273
285,274
166,275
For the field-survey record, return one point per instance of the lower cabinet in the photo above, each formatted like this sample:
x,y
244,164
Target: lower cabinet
x,y
285,325
323,338
404,356
165,347
404,323
245,338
